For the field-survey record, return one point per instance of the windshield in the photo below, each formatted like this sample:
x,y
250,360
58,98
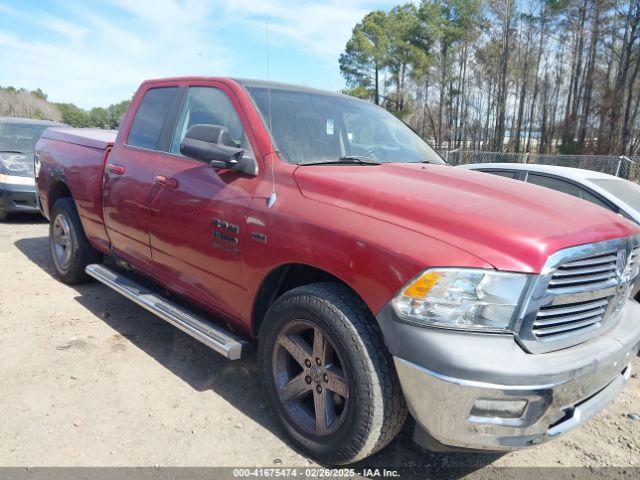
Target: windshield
x,y
625,190
16,137
310,127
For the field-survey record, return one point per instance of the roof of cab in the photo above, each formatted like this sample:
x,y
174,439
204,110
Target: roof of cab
x,y
253,83
249,83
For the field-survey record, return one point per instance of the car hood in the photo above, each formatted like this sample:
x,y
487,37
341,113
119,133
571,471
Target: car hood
x,y
509,224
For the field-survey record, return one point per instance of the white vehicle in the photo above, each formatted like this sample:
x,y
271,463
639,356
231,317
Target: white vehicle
x,y
613,193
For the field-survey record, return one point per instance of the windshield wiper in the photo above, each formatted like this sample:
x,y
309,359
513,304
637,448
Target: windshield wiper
x,y
346,160
359,159
11,151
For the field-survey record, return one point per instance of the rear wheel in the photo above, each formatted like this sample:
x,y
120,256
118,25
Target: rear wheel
x,y
70,248
328,374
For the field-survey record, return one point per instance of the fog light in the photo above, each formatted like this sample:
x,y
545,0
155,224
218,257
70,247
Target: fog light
x,y
486,407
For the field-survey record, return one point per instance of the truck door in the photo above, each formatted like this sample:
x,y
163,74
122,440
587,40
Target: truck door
x,y
198,212
130,172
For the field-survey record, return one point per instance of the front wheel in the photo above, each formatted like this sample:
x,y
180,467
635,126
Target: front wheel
x,y
328,374
70,248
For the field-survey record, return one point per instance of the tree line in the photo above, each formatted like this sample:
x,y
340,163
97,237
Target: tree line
x,y
547,76
20,102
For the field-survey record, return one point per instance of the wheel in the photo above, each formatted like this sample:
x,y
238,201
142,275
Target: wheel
x,y
328,374
3,215
70,249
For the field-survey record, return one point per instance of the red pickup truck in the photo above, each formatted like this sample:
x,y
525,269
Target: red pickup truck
x,y
377,280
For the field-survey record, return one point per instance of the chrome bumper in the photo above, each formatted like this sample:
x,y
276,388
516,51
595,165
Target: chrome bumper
x,y
444,406
443,374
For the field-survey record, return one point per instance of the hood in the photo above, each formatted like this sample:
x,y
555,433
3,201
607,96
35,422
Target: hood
x,y
509,224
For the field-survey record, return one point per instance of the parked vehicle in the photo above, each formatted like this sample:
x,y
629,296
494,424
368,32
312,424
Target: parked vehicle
x,y
613,193
376,278
18,137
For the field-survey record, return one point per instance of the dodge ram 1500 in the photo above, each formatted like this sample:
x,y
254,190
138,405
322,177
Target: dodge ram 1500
x,y
377,280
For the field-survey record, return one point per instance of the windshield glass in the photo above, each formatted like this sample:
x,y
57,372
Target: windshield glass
x,y
20,137
625,190
310,127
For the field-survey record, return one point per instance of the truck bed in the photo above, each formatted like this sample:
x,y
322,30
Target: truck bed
x,y
75,158
88,137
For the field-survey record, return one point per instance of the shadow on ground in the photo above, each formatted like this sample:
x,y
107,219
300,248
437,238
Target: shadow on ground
x,y
236,381
25,218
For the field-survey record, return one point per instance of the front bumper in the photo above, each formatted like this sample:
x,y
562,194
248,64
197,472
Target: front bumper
x,y
18,194
445,373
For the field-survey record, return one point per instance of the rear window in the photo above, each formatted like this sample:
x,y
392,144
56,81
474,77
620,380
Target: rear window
x,y
148,123
625,190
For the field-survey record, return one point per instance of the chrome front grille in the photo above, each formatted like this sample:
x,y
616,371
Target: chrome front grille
x,y
579,293
634,260
566,319
594,270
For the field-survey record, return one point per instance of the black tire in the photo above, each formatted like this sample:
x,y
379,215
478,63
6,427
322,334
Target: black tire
x,y
3,215
81,252
375,410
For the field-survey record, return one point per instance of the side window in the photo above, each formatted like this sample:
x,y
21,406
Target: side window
x,y
502,173
554,184
208,105
590,197
147,125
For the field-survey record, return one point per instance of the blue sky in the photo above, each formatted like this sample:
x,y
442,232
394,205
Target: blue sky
x,y
96,53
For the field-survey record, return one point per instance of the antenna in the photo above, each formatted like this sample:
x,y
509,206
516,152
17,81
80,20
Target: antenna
x,y
273,197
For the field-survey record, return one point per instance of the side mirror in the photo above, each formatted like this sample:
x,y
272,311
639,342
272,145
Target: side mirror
x,y
210,144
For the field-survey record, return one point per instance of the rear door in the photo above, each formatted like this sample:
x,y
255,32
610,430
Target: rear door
x,y
198,213
130,172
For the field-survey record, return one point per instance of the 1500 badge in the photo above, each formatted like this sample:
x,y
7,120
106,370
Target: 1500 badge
x,y
225,235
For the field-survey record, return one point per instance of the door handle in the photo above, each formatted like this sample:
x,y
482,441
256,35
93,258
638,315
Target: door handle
x,y
166,182
116,169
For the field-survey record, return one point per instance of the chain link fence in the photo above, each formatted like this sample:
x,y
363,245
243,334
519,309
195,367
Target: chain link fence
x,y
620,166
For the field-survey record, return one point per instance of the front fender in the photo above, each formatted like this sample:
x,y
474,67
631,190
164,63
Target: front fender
x,y
374,258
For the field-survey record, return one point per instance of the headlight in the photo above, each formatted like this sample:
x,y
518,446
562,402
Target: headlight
x,y
467,299
16,164
36,164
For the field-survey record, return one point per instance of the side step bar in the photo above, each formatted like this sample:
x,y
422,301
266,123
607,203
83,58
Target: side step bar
x,y
211,335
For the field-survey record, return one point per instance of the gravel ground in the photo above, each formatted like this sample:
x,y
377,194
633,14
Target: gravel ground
x,y
90,379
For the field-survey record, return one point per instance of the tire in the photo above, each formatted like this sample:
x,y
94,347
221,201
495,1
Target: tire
x,y
3,215
370,409
65,228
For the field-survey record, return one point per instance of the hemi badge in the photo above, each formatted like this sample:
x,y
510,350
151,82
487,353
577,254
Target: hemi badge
x,y
259,237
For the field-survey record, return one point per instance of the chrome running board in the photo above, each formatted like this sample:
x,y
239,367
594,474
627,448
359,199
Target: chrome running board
x,y
211,335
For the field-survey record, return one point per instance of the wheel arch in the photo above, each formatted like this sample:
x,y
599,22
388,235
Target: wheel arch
x,y
284,278
58,190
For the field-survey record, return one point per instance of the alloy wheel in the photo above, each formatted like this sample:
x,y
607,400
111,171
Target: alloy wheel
x,y
61,241
310,378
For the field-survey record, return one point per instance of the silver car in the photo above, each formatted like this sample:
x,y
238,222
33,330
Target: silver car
x,y
18,137
616,194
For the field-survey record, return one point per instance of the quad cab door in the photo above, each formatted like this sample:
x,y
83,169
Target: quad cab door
x,y
198,213
130,171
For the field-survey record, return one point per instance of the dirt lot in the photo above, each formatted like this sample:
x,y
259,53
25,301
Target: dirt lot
x,y
90,379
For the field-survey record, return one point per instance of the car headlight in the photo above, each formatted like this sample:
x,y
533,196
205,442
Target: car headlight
x,y
16,164
462,298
